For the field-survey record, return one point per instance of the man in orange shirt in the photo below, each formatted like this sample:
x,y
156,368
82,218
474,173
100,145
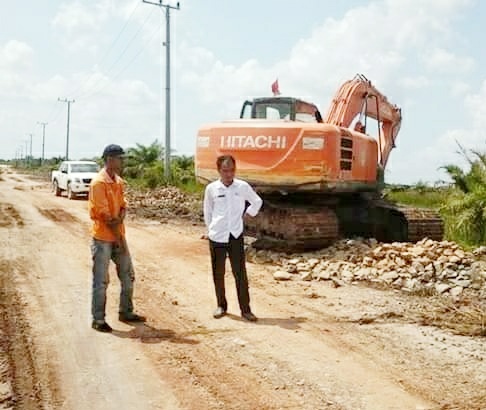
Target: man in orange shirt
x,y
107,208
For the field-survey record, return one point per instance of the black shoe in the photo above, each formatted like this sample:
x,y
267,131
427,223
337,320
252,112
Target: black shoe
x,y
131,318
101,326
219,312
249,316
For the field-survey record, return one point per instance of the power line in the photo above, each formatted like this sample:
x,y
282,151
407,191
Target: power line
x,y
120,33
80,87
118,58
115,76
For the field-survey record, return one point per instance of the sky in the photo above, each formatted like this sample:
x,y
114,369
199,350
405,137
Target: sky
x,y
108,56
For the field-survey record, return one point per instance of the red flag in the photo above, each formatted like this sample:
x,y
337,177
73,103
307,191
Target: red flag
x,y
275,89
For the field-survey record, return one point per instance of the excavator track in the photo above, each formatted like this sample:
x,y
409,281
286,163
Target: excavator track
x,y
423,223
288,228
302,226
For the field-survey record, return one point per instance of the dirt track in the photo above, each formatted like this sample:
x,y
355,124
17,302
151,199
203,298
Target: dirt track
x,y
309,350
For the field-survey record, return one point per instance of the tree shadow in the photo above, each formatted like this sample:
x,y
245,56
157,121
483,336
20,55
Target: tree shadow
x,y
150,334
291,323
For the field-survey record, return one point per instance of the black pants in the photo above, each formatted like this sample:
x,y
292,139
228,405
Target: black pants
x,y
236,252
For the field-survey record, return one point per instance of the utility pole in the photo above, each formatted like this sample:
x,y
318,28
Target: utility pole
x,y
26,156
30,159
43,138
167,83
68,115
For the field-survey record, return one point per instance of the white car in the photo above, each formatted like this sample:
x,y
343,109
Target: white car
x,y
74,177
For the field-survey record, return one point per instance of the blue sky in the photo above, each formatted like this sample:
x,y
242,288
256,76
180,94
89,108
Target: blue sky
x,y
425,55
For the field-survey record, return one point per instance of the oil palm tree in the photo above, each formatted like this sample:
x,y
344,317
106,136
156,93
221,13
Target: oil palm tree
x,y
141,157
465,208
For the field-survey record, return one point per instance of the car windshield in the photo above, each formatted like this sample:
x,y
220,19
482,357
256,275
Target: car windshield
x,y
84,168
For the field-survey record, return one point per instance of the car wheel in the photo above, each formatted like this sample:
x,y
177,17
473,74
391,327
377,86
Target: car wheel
x,y
57,191
70,193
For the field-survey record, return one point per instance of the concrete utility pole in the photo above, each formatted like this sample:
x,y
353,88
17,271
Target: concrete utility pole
x,y
68,115
43,138
30,159
167,83
26,156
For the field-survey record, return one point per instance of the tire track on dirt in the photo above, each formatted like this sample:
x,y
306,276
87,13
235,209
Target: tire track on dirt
x,y
30,387
9,216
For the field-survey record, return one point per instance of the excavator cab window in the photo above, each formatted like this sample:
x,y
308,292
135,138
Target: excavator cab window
x,y
273,110
288,109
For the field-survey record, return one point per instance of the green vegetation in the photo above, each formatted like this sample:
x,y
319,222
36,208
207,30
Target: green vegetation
x,y
144,168
465,209
419,195
461,204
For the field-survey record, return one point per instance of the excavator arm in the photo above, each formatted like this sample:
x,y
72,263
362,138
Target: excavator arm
x,y
359,97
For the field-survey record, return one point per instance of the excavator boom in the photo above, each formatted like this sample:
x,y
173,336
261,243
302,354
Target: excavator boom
x,y
358,97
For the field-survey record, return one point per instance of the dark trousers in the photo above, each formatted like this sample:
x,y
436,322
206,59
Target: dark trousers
x,y
236,253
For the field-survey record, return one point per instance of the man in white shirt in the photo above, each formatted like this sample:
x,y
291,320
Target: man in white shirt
x,y
225,204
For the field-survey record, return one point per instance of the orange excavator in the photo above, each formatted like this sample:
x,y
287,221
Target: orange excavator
x,y
321,178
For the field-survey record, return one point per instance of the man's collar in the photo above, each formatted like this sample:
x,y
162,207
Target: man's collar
x,y
108,179
226,186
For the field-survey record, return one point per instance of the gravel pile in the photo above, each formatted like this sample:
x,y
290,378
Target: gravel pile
x,y
427,266
164,203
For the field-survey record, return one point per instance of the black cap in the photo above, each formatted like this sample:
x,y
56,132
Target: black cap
x,y
113,150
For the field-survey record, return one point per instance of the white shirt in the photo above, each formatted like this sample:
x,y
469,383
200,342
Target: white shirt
x,y
224,208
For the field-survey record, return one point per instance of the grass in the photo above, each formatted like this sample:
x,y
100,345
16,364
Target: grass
x,y
465,317
419,195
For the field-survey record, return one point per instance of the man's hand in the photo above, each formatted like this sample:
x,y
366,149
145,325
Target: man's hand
x,y
114,222
114,225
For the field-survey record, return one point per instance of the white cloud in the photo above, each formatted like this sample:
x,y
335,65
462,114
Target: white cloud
x,y
15,65
460,88
16,54
379,40
82,24
442,61
476,104
79,24
414,82
444,149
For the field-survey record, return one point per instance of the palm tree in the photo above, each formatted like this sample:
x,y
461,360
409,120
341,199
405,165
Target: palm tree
x,y
182,168
141,157
466,206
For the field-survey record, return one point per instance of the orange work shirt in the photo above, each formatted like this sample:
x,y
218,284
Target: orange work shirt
x,y
106,199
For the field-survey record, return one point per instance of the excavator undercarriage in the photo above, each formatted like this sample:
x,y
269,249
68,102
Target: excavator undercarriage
x,y
302,222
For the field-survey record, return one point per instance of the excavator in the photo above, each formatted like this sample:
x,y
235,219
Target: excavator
x,y
321,178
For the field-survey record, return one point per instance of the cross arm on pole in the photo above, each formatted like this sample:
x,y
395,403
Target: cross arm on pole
x,y
176,7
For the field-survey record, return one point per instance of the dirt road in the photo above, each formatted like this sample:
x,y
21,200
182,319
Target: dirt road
x,y
309,350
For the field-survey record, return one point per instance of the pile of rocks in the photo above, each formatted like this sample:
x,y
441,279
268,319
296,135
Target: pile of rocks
x,y
164,203
426,266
